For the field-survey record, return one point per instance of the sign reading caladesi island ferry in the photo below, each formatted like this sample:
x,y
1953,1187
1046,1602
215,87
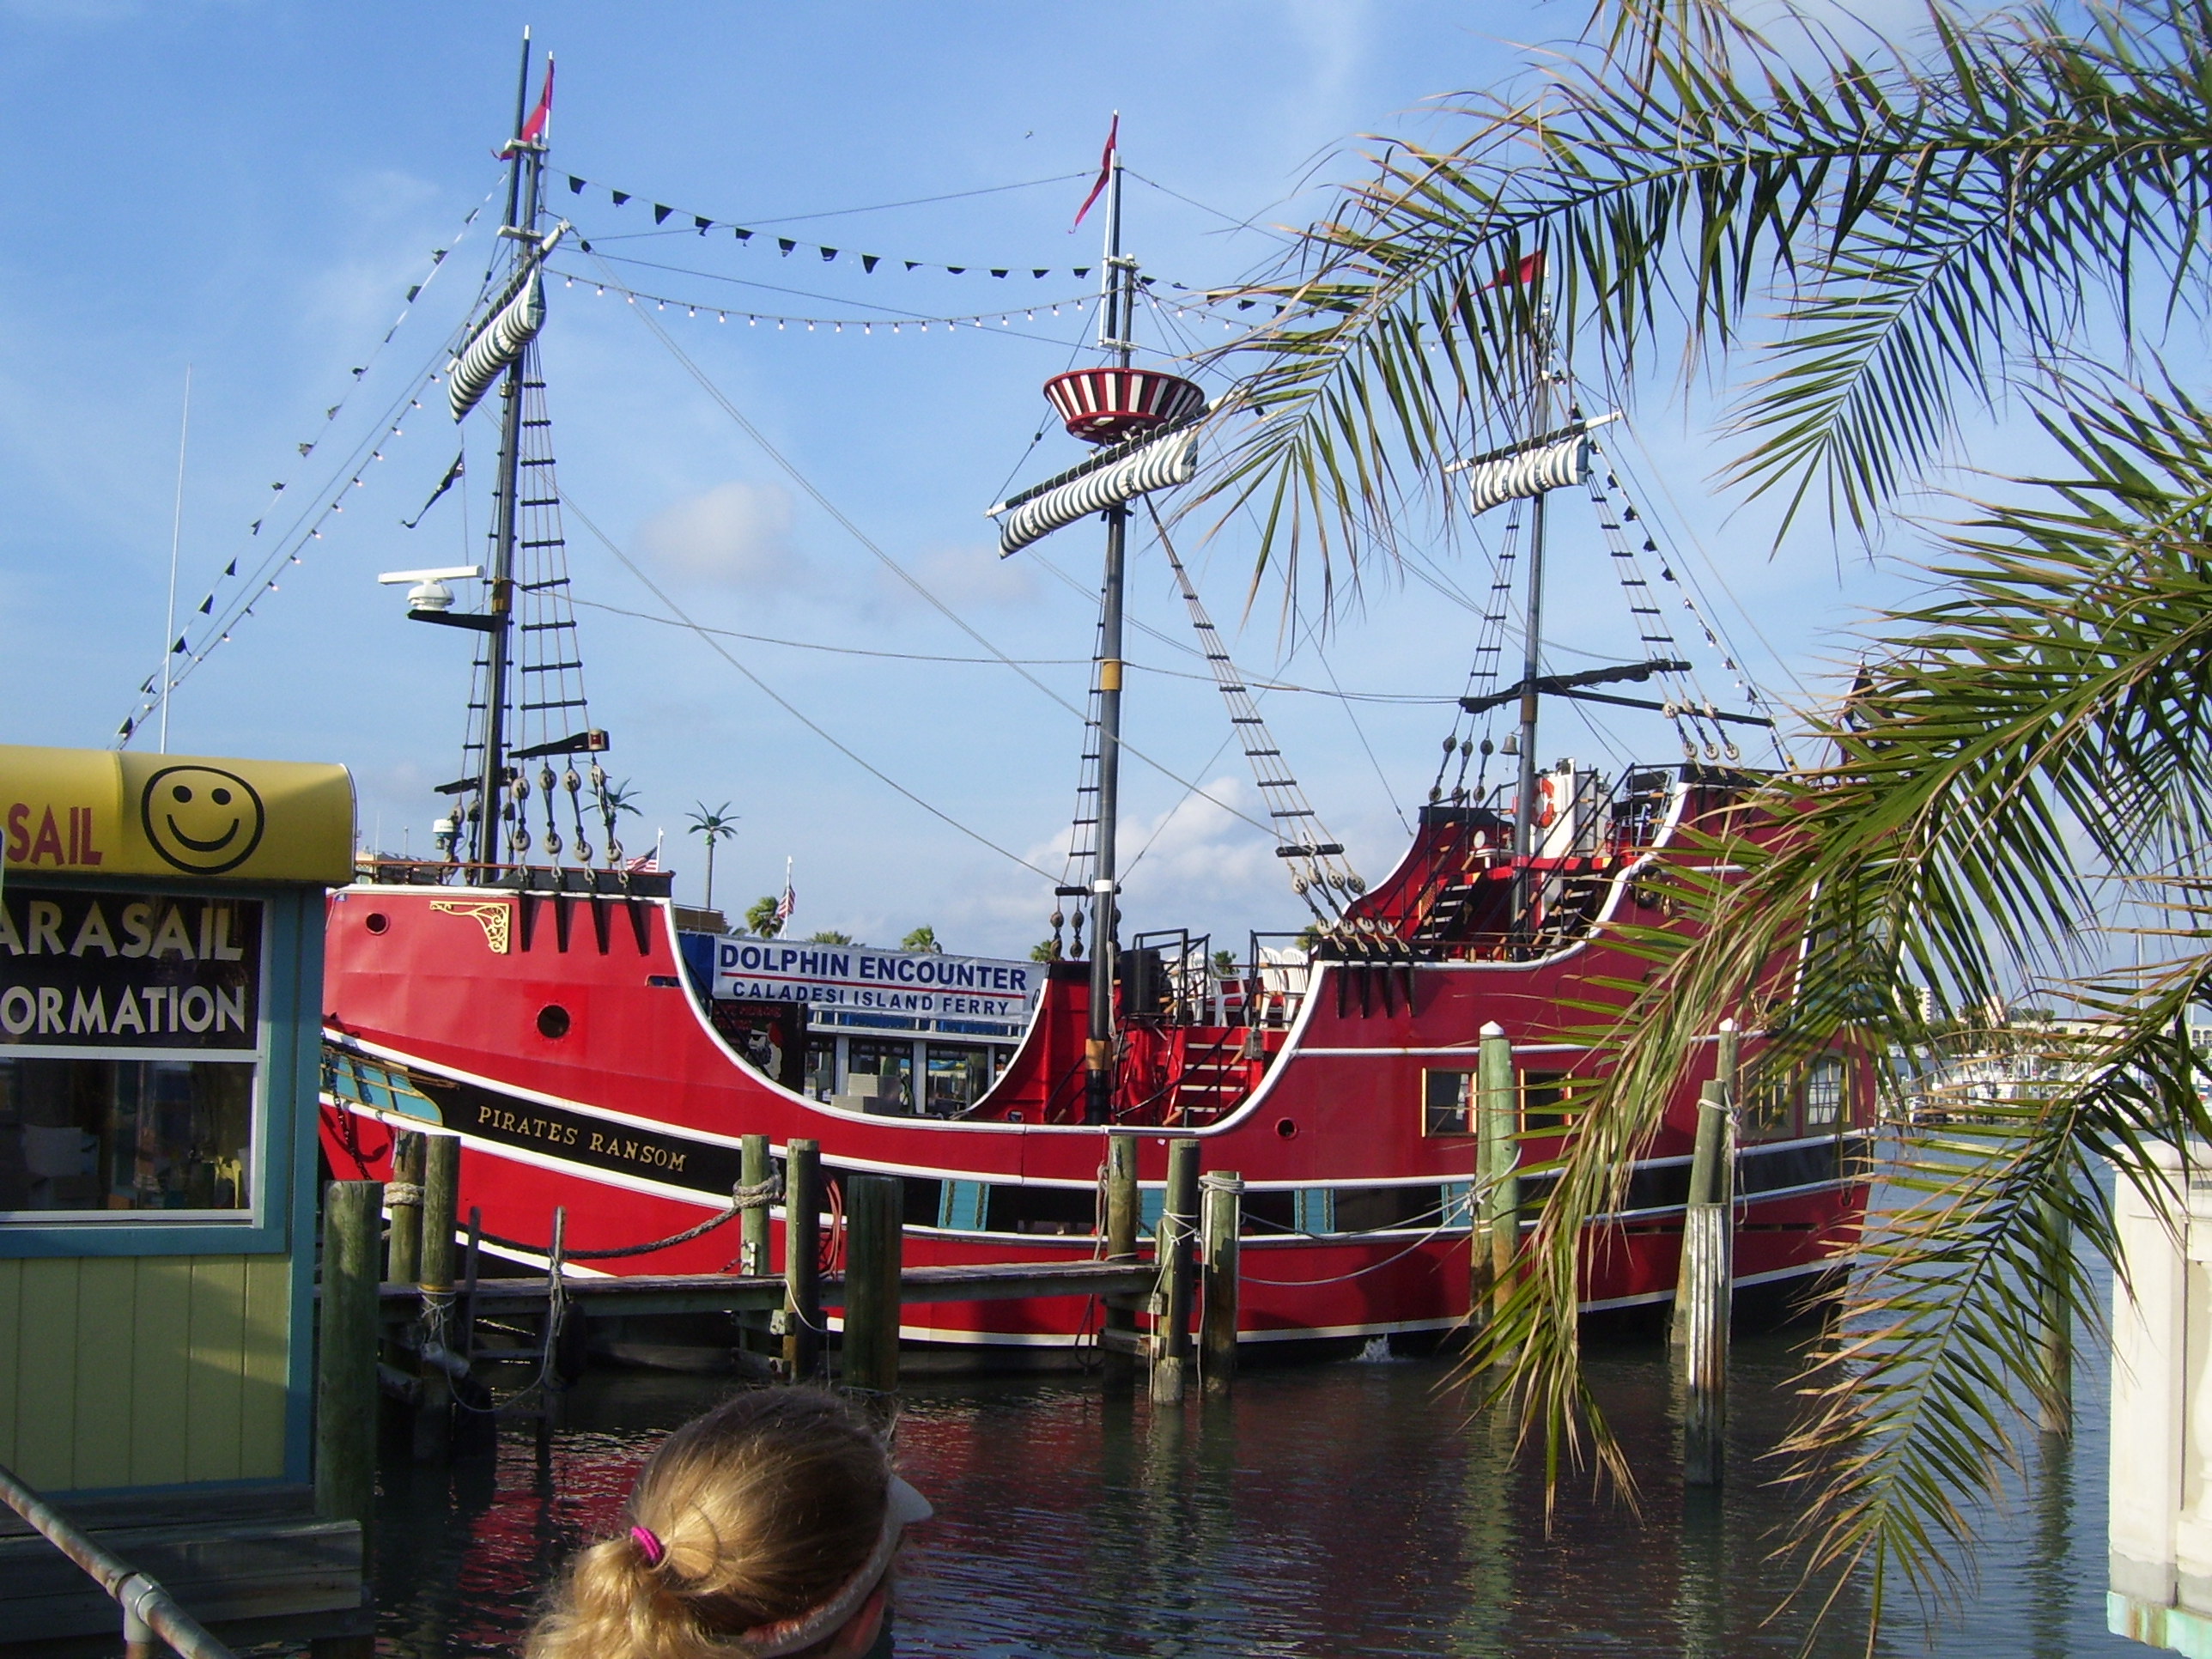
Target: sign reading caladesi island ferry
x,y
98,812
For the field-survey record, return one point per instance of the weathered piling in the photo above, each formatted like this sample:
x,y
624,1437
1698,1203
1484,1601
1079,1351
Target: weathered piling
x,y
404,1198
1704,1293
1124,1215
874,1239
1222,1224
2054,1412
346,1358
1498,1235
802,1258
755,1171
441,1193
1172,1303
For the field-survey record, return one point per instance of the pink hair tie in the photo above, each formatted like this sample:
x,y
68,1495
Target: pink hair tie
x,y
648,1546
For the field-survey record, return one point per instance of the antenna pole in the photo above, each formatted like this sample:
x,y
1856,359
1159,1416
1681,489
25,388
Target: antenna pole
x,y
1116,328
176,534
1532,656
491,787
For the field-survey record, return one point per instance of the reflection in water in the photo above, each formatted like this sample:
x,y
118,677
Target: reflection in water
x,y
1351,1509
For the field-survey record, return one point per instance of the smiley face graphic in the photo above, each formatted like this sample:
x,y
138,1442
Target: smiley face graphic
x,y
201,819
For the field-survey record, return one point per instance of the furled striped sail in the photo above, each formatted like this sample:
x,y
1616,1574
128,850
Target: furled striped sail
x,y
1529,473
1161,464
495,345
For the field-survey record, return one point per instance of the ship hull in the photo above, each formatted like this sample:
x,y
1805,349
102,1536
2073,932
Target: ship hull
x,y
579,1066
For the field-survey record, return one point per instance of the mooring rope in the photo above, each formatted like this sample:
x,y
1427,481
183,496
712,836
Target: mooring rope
x,y
759,1196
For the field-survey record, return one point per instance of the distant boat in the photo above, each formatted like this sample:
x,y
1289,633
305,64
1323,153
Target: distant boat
x,y
597,1046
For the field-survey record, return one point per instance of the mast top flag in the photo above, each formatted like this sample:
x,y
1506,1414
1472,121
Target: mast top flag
x,y
533,130
1105,171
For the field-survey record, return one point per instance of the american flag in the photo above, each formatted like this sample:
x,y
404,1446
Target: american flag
x,y
786,904
640,865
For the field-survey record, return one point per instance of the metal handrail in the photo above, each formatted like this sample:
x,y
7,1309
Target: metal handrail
x,y
149,1611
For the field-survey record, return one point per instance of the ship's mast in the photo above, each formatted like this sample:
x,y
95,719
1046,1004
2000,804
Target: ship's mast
x,y
1117,314
1532,652
526,160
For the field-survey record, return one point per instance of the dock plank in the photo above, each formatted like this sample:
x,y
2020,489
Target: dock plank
x,y
718,1292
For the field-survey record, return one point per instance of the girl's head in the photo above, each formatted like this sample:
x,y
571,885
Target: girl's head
x,y
763,1528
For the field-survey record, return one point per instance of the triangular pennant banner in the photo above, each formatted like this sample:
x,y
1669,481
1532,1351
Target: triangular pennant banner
x,y
660,214
704,225
207,605
575,185
621,196
231,570
743,235
785,244
828,254
868,263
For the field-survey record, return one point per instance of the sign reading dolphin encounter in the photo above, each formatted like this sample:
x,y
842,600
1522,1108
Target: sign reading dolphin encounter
x,y
922,984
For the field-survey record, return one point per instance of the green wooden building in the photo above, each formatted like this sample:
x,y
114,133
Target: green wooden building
x,y
161,973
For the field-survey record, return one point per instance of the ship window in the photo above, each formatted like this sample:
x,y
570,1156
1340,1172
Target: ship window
x,y
1042,1209
1447,1103
1378,1209
553,1021
1269,1212
1544,1102
1316,1210
1458,1204
1824,1092
957,1074
1771,1100
875,1057
821,1068
925,1199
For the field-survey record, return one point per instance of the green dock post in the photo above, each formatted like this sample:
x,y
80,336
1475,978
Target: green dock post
x,y
1124,1212
1224,1222
441,1198
1703,1292
1177,1236
802,1259
345,1361
754,1171
1497,1238
2055,1409
403,1197
874,1240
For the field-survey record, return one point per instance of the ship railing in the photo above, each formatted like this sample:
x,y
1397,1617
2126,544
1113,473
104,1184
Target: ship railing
x,y
533,879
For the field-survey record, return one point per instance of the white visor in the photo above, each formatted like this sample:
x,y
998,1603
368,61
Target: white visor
x,y
902,1507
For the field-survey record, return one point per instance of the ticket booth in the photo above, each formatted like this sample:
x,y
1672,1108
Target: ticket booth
x,y
161,972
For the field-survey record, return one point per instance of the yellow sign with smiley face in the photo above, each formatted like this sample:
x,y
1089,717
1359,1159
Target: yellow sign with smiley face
x,y
96,812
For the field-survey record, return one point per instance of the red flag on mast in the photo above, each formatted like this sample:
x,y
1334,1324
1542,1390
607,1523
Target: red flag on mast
x,y
1105,170
1529,270
534,128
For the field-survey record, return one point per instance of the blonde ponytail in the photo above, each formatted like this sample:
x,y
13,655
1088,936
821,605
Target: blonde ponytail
x,y
761,1510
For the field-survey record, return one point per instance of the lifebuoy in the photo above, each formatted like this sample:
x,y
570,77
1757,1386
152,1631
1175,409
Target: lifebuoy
x,y
1548,797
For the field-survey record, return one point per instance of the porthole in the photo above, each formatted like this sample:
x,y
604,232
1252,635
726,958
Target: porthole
x,y
1287,1128
553,1020
377,921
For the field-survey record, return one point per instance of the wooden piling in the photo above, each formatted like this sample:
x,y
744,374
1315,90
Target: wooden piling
x,y
1706,1268
1712,1182
1177,1236
404,1250
441,1184
2055,1408
1223,1224
755,1170
802,1259
874,1239
1703,1292
1496,1235
346,1358
1124,1215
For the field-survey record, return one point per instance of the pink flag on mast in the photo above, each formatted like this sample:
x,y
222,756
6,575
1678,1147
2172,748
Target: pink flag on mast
x,y
1105,169
534,128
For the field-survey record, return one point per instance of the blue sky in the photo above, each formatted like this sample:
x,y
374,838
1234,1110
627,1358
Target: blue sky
x,y
249,189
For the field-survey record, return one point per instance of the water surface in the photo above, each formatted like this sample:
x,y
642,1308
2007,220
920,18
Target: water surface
x,y
1345,1509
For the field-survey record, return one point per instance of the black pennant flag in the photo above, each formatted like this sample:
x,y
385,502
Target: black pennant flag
x,y
620,195
453,474
231,570
178,649
868,264
742,234
828,254
705,225
998,273
207,605
412,292
957,270
913,263
660,214
575,185
253,528
785,244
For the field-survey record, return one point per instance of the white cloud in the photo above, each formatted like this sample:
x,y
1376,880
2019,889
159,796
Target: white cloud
x,y
736,535
972,574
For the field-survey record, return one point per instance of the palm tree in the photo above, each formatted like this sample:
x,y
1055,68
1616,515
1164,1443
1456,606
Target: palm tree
x,y
715,824
923,938
1869,242
761,916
